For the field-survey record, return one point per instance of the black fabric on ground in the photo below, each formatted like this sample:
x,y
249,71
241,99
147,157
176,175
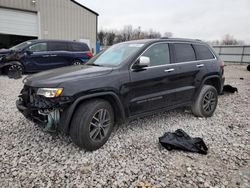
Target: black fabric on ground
x,y
229,89
248,67
180,140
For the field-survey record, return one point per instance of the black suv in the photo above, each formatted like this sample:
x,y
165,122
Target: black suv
x,y
129,80
40,55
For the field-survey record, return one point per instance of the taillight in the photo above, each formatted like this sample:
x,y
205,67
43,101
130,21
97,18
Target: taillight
x,y
89,54
222,64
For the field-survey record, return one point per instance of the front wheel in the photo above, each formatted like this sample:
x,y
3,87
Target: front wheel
x,y
14,71
92,124
206,102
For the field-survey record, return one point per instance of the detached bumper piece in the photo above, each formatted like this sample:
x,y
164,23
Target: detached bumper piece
x,y
182,141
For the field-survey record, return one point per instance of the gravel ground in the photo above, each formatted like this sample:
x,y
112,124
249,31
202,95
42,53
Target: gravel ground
x,y
132,157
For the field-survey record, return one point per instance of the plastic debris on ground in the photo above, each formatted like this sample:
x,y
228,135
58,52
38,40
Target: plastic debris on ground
x,y
180,140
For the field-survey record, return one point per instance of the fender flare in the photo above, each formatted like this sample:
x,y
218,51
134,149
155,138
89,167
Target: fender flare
x,y
203,82
66,118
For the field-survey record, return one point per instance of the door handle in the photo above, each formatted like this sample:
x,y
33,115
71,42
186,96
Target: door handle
x,y
45,55
53,55
169,70
200,65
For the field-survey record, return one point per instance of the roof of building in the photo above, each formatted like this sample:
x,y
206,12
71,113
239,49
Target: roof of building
x,y
85,7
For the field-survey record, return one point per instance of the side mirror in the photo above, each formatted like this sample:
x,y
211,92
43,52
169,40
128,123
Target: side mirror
x,y
142,62
29,52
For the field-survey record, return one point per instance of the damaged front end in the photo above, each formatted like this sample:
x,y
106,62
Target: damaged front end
x,y
40,109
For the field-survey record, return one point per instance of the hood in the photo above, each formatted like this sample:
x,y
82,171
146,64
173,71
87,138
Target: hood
x,y
4,53
55,77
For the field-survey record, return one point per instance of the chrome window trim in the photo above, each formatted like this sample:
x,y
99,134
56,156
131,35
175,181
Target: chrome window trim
x,y
171,42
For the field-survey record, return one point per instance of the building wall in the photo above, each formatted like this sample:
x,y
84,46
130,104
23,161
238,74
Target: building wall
x,y
60,19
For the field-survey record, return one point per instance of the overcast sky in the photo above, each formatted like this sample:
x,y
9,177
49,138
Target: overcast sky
x,y
203,19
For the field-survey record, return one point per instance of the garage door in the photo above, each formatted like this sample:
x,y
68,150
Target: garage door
x,y
17,22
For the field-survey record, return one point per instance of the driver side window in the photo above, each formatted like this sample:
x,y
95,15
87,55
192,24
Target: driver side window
x,y
39,47
158,54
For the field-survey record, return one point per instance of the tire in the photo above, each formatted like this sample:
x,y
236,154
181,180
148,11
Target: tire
x,y
206,102
86,130
77,62
14,71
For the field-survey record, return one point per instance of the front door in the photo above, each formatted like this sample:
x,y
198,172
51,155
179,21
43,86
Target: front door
x,y
36,56
154,87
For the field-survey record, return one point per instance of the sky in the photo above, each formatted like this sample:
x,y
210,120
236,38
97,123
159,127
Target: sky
x,y
198,19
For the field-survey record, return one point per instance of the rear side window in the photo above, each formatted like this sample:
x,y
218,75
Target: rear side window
x,y
203,52
79,47
58,46
184,52
158,54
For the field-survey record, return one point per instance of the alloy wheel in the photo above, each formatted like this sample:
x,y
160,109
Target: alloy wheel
x,y
209,102
99,125
77,63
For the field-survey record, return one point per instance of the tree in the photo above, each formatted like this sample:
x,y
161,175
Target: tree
x,y
101,36
168,34
110,38
230,40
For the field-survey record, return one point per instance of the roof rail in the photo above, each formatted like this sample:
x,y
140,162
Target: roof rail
x,y
164,38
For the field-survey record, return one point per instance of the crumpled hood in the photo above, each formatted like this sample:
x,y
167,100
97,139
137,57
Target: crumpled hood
x,y
5,51
55,77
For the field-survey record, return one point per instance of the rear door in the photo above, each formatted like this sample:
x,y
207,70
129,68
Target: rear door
x,y
205,58
187,71
59,54
154,87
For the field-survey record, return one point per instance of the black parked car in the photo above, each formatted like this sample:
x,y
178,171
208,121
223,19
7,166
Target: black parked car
x,y
40,55
129,80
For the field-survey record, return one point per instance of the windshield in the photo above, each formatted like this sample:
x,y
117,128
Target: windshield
x,y
116,54
20,46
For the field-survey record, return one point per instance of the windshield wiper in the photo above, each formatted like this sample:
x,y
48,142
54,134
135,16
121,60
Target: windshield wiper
x,y
94,64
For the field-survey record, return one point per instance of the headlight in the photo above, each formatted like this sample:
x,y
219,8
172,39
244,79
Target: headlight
x,y
50,92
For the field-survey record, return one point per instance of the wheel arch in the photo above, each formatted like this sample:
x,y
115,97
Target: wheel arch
x,y
111,97
9,63
213,81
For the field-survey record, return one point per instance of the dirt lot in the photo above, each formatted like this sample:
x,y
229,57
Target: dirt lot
x,y
132,157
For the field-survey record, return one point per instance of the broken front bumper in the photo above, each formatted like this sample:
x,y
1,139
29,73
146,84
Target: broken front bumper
x,y
42,110
31,114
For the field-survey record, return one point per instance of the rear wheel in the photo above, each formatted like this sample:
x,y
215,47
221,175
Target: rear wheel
x,y
77,62
92,124
206,102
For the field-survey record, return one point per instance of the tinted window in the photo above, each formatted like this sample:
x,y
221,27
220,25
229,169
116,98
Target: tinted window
x,y
39,47
58,46
158,54
79,47
184,52
202,52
